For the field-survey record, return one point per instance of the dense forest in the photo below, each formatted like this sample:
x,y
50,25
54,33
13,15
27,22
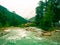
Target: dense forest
x,y
48,14
8,18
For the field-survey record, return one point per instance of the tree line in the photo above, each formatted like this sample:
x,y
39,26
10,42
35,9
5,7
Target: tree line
x,y
47,14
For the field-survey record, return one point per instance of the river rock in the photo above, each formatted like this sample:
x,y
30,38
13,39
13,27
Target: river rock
x,y
46,34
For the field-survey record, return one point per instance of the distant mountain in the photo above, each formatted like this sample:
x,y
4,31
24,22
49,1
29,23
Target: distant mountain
x,y
10,18
32,19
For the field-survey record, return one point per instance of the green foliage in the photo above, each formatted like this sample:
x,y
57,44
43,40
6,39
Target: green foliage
x,y
0,25
46,24
57,11
39,12
8,18
47,18
46,21
32,25
6,24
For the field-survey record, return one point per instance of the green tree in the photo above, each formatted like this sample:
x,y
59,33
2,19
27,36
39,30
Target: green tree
x,y
39,12
57,11
2,18
0,25
46,22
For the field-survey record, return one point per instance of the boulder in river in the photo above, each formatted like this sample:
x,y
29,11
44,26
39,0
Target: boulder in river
x,y
46,34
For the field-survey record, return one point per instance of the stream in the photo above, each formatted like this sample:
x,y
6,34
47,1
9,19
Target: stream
x,y
23,37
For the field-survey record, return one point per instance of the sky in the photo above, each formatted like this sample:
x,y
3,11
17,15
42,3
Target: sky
x,y
25,8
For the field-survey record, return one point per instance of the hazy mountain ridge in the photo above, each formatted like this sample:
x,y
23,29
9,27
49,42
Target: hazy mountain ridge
x,y
32,19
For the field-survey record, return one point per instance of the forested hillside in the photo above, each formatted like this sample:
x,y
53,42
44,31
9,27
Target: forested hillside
x,y
8,18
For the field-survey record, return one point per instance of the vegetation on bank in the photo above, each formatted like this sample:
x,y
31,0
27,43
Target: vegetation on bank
x,y
48,14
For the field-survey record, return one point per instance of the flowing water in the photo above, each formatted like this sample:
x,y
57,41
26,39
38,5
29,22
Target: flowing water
x,y
23,37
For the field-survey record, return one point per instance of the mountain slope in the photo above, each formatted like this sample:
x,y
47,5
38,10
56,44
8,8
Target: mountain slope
x,y
10,18
32,19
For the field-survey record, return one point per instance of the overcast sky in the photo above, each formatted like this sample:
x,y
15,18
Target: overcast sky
x,y
25,8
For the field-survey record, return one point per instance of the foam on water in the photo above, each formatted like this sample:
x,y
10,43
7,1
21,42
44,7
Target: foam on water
x,y
17,34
